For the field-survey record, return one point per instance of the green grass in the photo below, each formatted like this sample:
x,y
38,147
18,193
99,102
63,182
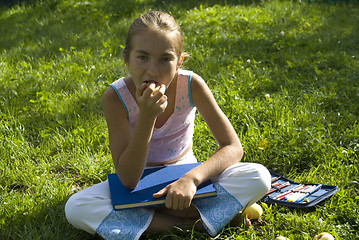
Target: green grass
x,y
286,73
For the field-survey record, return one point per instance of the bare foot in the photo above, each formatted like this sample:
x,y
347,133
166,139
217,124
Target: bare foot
x,y
240,220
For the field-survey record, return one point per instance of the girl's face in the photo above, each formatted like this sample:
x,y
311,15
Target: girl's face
x,y
153,58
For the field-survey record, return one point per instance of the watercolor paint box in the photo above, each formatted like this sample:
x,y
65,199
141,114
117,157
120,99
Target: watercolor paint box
x,y
286,192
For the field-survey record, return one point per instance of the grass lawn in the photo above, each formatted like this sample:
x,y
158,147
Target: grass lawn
x,y
286,73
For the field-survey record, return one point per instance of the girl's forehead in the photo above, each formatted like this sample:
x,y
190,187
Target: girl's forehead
x,y
155,40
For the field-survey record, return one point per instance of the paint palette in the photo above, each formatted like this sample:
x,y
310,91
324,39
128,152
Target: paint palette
x,y
288,193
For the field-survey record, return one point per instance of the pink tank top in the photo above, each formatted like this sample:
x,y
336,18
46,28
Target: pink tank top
x,y
174,138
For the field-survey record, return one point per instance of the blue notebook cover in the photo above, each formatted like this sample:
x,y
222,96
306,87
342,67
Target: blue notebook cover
x,y
152,180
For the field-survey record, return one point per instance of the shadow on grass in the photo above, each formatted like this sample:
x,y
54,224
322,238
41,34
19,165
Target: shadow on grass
x,y
44,222
40,31
11,3
45,28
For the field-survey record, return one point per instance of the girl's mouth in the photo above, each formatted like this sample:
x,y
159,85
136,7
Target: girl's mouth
x,y
151,81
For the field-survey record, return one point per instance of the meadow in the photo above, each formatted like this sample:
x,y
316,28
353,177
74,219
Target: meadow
x,y
286,73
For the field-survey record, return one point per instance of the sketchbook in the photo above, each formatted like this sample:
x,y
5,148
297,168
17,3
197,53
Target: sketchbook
x,y
152,180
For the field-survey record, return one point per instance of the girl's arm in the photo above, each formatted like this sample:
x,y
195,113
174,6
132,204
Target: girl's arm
x,y
230,150
181,192
129,153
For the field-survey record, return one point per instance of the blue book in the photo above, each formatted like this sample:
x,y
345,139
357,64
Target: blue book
x,y
152,180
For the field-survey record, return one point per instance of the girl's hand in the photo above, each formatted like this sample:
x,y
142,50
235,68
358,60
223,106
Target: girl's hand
x,y
151,99
179,194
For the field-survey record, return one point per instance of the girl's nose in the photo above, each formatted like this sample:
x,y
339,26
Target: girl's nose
x,y
152,68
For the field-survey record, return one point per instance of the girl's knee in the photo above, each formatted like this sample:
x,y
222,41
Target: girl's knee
x,y
71,210
86,210
249,179
263,179
78,215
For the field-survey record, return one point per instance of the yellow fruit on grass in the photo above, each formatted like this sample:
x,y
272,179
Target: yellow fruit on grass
x,y
281,238
324,236
254,211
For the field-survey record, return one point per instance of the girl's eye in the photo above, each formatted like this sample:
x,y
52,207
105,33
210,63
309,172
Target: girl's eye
x,y
143,58
167,59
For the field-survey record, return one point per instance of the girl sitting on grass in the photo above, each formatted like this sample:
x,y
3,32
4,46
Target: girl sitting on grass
x,y
150,116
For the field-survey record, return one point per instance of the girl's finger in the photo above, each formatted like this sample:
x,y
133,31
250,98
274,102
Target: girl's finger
x,y
160,193
164,105
149,90
186,203
168,201
161,99
162,88
140,89
156,90
175,203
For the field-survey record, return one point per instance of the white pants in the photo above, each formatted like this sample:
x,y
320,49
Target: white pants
x,y
239,186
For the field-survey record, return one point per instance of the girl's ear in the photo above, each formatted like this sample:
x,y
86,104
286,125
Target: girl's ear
x,y
180,61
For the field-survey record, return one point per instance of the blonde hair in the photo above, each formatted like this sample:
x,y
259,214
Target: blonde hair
x,y
154,21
